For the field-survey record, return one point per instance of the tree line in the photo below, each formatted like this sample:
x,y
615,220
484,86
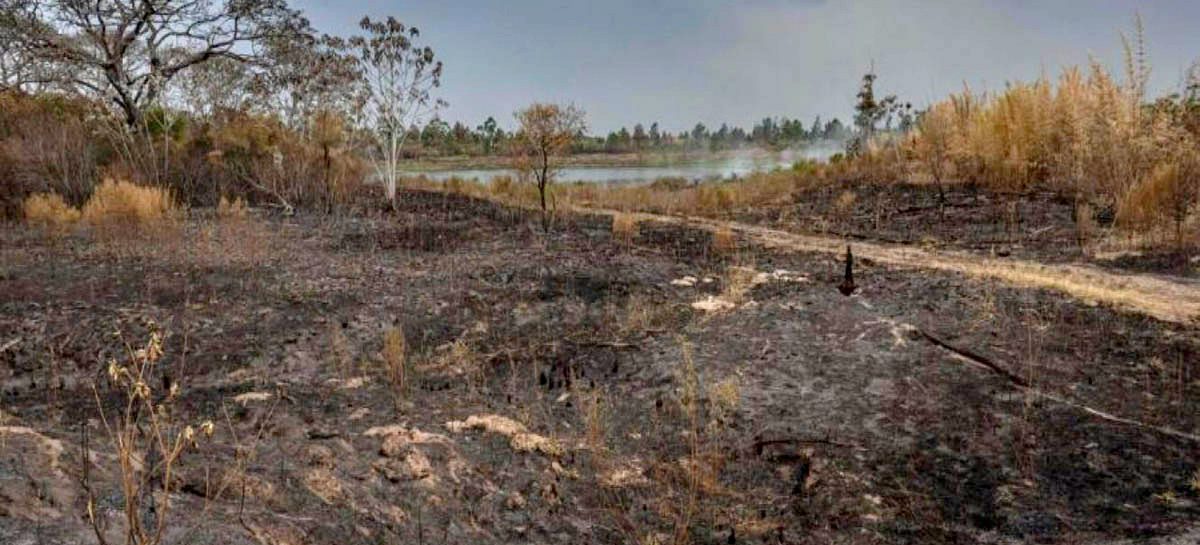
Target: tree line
x,y
439,138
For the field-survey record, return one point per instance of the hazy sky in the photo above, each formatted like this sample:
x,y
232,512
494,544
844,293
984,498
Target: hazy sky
x,y
683,61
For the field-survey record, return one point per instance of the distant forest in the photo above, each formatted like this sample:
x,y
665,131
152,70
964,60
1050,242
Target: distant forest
x,y
438,138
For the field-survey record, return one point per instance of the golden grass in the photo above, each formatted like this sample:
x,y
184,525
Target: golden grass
x,y
49,210
1086,133
119,201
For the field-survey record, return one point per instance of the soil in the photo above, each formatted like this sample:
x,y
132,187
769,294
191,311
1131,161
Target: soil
x,y
564,388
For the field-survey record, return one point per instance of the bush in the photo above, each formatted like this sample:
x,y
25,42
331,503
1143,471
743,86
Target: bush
x,y
48,144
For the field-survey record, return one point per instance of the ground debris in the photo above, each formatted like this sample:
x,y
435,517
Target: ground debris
x,y
521,439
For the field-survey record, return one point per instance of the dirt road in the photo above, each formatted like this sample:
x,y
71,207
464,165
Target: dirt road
x,y
1165,298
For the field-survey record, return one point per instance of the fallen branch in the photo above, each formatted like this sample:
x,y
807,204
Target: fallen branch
x,y
1024,385
979,359
761,444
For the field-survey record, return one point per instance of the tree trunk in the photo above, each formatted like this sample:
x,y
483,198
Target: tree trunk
x,y
543,184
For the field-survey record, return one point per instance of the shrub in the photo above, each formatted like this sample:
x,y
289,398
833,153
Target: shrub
x,y
121,202
49,210
48,144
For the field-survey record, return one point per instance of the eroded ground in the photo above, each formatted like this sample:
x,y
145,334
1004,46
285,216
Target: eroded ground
x,y
566,389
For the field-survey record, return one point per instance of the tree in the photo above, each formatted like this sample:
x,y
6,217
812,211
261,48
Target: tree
x,y
655,135
487,132
639,136
125,52
545,132
869,111
217,87
400,76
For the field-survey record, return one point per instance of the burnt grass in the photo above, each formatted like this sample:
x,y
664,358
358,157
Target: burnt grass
x,y
848,424
1037,224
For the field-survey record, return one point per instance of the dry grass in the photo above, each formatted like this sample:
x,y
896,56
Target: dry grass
x,y
394,357
50,211
149,442
594,412
117,202
231,208
843,207
519,437
624,228
723,241
715,199
1087,134
1164,199
737,283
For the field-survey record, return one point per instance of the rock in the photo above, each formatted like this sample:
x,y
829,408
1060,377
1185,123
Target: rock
x,y
251,397
713,304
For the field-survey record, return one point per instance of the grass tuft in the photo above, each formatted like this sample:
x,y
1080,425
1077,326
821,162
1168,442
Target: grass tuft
x,y
49,210
122,202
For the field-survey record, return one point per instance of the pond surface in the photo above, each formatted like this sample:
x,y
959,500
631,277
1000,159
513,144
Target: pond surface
x,y
735,167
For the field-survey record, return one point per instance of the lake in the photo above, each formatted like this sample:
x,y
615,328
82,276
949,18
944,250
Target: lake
x,y
735,167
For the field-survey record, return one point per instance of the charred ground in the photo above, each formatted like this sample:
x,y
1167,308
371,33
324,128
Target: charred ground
x,y
796,415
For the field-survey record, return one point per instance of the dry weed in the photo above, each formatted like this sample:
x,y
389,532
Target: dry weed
x,y
394,357
149,441
231,208
723,241
122,202
624,228
50,211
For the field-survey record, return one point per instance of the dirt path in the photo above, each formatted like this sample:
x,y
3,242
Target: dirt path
x,y
1167,299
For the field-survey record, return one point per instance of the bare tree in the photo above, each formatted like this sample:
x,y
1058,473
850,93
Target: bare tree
x,y
126,51
546,132
400,76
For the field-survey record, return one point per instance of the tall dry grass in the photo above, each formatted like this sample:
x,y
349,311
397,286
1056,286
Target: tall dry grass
x,y
1087,134
51,211
122,202
114,204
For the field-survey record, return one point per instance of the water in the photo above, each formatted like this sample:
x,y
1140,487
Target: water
x,y
633,175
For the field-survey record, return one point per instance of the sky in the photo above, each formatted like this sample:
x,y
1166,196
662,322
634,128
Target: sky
x,y
679,62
